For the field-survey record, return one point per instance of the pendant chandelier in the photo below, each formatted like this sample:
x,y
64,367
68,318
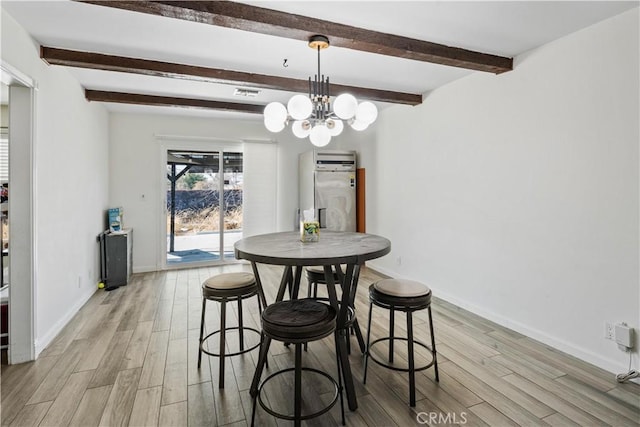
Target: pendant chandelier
x,y
313,115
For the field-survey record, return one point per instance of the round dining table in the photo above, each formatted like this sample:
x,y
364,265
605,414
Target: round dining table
x,y
333,250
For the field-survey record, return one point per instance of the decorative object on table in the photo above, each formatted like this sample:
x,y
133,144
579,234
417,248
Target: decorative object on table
x,y
309,227
313,115
115,219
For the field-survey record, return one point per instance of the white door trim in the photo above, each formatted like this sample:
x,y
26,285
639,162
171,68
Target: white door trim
x,y
22,214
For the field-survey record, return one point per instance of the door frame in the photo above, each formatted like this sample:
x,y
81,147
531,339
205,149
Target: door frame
x,y
22,213
186,143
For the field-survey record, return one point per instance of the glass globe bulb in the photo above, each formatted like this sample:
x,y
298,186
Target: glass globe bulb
x,y
335,127
299,107
366,112
301,128
359,125
319,136
274,126
275,112
345,106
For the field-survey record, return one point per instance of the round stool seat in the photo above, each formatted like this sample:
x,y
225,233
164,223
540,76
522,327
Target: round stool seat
x,y
402,288
401,294
229,284
229,281
297,321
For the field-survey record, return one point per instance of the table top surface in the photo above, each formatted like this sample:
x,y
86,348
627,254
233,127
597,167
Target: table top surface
x,y
333,247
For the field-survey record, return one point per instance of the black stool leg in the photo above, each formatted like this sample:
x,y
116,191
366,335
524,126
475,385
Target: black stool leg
x,y
262,358
253,412
260,308
348,338
391,333
312,288
297,399
240,327
258,373
358,332
366,353
223,321
412,372
204,307
339,380
433,345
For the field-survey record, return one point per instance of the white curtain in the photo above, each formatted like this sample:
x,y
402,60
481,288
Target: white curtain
x,y
260,188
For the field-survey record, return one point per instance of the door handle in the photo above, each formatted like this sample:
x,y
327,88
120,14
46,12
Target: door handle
x,y
322,217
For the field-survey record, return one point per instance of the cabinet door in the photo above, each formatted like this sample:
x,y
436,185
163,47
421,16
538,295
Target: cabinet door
x,y
336,200
116,260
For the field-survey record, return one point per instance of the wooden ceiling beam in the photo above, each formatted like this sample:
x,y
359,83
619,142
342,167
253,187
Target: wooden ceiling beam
x,y
276,23
169,101
98,61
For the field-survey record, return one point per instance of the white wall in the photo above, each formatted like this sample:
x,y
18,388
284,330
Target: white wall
x,y
4,116
516,196
135,160
70,163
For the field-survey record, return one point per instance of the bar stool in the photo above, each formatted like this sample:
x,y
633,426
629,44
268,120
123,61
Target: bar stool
x,y
223,288
315,277
297,322
408,296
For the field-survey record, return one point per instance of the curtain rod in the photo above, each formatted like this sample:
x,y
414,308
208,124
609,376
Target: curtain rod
x,y
212,139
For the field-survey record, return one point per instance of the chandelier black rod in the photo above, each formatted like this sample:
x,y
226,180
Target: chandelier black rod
x,y
319,67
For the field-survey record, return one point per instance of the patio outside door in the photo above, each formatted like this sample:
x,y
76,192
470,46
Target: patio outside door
x,y
204,206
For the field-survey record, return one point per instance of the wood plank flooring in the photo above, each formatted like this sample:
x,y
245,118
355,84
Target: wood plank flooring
x,y
129,357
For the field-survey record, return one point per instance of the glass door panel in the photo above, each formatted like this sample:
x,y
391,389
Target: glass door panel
x,y
193,207
232,167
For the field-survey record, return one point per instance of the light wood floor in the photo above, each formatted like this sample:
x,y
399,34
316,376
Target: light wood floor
x,y
129,357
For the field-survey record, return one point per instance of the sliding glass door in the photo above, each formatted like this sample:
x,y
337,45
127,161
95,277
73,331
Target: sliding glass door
x,y
204,212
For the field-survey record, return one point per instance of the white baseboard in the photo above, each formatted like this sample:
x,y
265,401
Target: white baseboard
x,y
609,365
42,342
144,269
20,358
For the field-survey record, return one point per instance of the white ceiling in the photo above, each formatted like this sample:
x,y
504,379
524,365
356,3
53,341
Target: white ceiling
x,y
500,28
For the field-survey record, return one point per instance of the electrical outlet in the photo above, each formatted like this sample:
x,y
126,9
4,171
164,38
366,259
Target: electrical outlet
x,y
399,260
609,331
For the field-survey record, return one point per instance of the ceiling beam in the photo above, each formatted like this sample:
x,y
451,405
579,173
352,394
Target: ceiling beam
x,y
169,101
98,61
276,23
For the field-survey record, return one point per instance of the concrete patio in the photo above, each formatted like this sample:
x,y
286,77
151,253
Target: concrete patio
x,y
201,247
